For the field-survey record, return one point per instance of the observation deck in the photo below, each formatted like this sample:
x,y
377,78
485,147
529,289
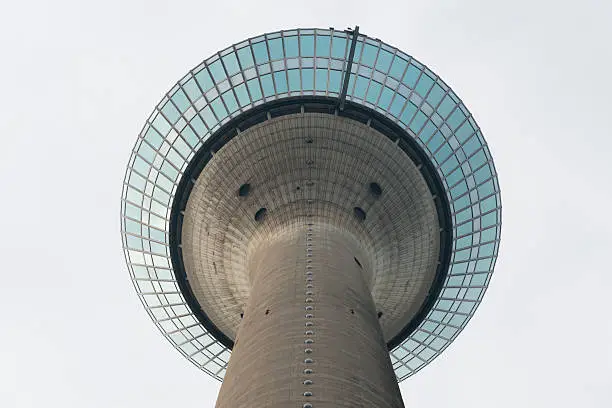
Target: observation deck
x,y
322,129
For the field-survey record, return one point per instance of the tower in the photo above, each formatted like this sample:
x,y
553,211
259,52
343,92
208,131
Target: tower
x,y
317,204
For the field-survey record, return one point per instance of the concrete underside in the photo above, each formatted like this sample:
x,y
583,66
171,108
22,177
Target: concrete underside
x,y
369,276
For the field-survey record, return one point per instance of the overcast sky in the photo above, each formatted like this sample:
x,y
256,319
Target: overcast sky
x,y
78,80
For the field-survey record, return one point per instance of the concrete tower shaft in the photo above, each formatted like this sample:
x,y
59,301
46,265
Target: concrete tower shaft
x,y
310,332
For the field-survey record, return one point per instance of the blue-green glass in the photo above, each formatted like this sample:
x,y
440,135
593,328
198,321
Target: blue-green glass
x,y
321,79
132,211
335,81
141,166
455,119
267,85
471,145
261,52
209,118
281,81
146,152
418,121
276,48
488,234
369,55
489,219
230,101
204,80
435,142
180,100
292,48
294,80
450,162
424,85
408,113
323,44
161,125
242,94
192,90
245,57
254,89
486,189
307,46
486,250
339,47
308,79
373,92
465,130
361,86
219,109
137,181
435,95
385,98
459,189
478,159
398,67
454,177
197,124
482,174
231,63
216,69
411,76
153,138
396,106
461,202
384,60
181,147
446,106
133,242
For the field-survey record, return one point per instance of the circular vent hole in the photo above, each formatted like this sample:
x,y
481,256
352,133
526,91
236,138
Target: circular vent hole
x,y
260,214
359,213
375,189
244,190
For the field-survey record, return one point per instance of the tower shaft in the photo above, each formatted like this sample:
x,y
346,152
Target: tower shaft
x,y
310,331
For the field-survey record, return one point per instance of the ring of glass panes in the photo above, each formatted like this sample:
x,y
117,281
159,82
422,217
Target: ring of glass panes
x,y
310,62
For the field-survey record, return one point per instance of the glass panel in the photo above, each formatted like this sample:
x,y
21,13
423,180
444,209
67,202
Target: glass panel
x,y
291,47
267,85
307,46
231,63
412,74
339,47
261,52
384,61
216,69
308,79
369,55
245,57
254,89
281,81
276,49
425,83
204,80
294,80
323,43
321,79
180,100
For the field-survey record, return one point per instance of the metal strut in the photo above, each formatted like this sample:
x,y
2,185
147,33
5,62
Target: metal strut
x,y
347,71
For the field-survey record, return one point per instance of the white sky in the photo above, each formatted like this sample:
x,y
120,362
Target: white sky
x,y
78,80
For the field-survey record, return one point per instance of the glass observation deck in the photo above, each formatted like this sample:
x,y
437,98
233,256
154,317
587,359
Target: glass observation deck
x,y
311,63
